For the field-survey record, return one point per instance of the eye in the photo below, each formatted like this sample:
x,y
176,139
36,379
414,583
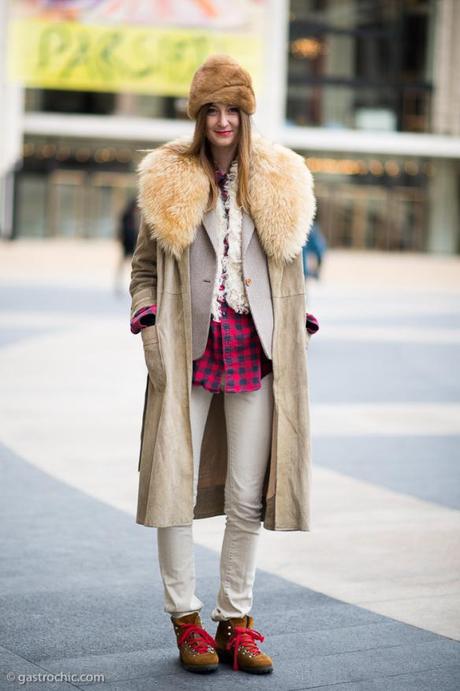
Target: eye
x,y
211,110
234,109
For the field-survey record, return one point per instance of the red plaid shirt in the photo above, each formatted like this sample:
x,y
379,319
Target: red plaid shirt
x,y
233,360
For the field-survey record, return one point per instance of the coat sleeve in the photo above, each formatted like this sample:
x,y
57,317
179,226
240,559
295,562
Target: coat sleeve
x,y
143,285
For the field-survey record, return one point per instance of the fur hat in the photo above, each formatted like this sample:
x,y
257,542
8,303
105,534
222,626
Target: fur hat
x,y
221,79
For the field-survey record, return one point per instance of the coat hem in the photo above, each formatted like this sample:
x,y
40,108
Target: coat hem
x,y
158,524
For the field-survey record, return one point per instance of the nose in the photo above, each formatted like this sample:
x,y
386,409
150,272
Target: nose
x,y
223,119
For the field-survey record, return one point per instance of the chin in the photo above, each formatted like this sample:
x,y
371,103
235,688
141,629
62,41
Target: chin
x,y
224,142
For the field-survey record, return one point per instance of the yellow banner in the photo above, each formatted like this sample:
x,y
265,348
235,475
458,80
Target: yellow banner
x,y
82,57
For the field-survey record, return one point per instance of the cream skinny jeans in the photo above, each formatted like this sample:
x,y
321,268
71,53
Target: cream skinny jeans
x,y
249,423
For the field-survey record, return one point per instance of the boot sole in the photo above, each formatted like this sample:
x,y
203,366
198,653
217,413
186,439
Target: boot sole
x,y
204,669
225,656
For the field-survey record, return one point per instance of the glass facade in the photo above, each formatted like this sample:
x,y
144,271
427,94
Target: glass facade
x,y
360,64
80,188
105,103
373,203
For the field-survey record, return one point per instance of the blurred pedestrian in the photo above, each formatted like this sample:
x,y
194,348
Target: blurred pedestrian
x,y
127,236
218,294
313,252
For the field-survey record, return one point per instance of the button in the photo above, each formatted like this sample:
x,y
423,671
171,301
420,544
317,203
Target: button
x,y
248,281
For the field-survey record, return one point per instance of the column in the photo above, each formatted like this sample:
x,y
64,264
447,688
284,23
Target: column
x,y
444,214
446,99
271,101
11,112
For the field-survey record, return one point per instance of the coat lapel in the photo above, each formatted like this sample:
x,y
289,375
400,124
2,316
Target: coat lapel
x,y
211,223
247,231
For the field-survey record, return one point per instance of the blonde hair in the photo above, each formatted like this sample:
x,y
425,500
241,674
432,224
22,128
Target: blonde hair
x,y
200,149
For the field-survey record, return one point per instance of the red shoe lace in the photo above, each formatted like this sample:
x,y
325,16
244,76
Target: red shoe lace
x,y
197,638
245,637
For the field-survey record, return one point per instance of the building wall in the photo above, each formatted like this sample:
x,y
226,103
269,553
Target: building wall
x,y
323,93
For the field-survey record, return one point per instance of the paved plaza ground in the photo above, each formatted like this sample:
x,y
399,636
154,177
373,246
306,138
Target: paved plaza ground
x,y
369,600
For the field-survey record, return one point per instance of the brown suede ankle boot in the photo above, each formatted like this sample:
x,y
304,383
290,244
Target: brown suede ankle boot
x,y
236,643
196,647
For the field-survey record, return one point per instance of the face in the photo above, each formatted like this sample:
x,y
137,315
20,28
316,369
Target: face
x,y
222,124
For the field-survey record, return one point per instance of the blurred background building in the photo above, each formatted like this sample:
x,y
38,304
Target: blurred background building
x,y
367,90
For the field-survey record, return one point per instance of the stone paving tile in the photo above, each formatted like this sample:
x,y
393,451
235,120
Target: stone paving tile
x,y
222,680
381,634
37,298
429,319
422,466
123,665
9,335
438,679
390,372
368,664
14,670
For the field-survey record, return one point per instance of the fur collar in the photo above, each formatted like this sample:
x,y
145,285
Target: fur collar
x,y
174,192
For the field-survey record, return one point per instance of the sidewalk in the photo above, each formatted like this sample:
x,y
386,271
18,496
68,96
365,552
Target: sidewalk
x,y
370,598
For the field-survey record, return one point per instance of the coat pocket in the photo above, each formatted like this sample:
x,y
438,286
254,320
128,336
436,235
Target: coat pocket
x,y
153,359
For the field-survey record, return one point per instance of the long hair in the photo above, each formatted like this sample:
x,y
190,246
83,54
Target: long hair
x,y
200,149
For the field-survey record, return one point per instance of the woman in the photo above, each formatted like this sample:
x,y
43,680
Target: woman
x,y
127,235
218,294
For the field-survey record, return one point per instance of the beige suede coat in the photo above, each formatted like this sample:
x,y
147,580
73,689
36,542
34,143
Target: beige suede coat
x,y
175,252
